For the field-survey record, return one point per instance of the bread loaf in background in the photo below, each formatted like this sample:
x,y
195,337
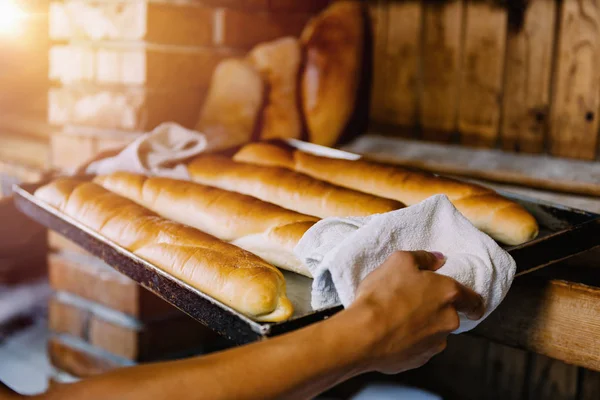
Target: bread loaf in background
x,y
278,62
265,229
504,220
288,189
231,275
333,42
233,104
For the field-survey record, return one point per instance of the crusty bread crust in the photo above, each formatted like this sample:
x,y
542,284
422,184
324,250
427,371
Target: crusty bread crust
x,y
499,217
265,229
230,274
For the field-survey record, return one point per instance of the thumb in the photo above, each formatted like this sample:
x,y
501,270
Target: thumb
x,y
428,261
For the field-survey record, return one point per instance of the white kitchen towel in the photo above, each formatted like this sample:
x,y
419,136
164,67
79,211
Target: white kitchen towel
x,y
160,152
341,252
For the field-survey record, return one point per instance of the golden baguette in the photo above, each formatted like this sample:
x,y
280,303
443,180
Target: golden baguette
x,y
504,220
287,188
265,229
231,275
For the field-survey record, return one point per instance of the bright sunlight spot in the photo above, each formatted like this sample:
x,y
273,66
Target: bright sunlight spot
x,y
11,17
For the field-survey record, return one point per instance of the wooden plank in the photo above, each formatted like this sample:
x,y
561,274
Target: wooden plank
x,y
506,373
526,98
552,380
574,129
378,13
401,63
570,176
555,318
481,73
590,385
441,69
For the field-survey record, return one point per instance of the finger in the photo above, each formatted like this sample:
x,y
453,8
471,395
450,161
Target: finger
x,y
429,261
468,302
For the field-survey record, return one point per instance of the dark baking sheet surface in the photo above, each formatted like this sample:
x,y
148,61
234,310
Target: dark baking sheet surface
x,y
565,232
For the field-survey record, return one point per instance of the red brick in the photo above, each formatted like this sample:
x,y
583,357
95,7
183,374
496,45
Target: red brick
x,y
78,362
22,246
69,150
312,6
135,109
245,29
135,341
187,24
93,280
68,319
58,243
240,4
152,66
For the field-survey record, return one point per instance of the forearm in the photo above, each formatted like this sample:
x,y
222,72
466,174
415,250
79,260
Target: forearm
x,y
298,365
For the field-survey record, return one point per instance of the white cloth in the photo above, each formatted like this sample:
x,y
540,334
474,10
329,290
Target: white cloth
x,y
340,252
158,153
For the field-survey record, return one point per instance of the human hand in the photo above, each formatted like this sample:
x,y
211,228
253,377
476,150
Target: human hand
x,y
411,310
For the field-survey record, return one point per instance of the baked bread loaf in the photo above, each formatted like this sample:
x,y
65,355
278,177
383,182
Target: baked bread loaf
x,y
231,275
265,229
235,98
502,219
287,188
333,42
278,62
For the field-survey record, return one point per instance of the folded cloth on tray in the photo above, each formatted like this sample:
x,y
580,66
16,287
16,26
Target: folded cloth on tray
x,y
341,252
161,152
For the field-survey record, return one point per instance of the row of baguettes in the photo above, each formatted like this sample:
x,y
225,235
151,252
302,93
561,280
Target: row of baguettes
x,y
226,272
263,210
501,218
265,229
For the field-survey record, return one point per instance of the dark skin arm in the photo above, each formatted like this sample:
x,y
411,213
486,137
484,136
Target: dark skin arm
x,y
401,318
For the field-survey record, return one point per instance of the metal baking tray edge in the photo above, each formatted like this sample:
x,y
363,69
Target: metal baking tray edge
x,y
576,231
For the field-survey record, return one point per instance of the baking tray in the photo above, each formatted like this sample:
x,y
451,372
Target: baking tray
x,y
564,232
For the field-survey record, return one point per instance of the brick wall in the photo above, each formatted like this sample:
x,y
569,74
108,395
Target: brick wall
x,y
127,66
119,68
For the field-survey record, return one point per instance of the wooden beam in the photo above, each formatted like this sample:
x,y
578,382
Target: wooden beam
x,y
526,97
506,372
576,100
441,67
555,318
398,65
552,379
481,73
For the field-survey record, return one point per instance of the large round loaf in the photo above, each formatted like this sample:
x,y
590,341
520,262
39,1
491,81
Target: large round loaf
x,y
333,42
